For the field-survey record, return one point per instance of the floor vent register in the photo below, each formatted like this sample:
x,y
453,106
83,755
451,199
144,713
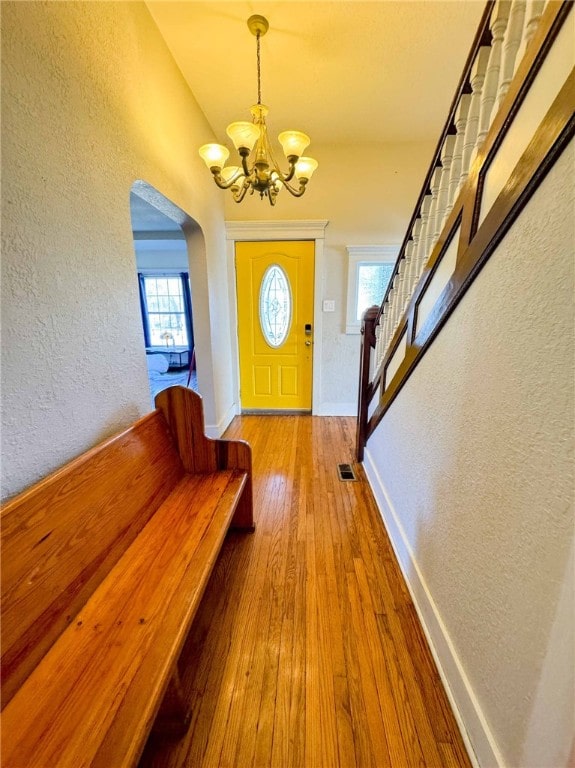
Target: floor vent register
x,y
346,472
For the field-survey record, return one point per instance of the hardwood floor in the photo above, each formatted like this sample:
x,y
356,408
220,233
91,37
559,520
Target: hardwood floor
x,y
307,651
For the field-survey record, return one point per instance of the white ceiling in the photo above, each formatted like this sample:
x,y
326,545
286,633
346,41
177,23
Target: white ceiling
x,y
343,72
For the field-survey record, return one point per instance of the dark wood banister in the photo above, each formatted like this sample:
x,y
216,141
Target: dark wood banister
x,y
368,340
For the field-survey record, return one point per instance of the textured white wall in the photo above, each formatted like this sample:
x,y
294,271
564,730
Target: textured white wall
x,y
367,192
91,102
474,464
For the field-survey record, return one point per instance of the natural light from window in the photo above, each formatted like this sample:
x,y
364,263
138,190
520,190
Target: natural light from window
x,y
372,280
369,270
166,311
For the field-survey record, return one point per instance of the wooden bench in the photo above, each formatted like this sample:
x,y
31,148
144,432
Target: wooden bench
x,y
104,564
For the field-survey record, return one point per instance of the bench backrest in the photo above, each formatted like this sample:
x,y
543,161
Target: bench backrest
x,y
62,536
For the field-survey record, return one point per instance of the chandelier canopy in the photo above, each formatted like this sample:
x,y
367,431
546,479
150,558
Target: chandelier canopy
x,y
259,171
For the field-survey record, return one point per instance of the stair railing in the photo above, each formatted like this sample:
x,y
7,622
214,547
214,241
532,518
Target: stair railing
x,y
461,213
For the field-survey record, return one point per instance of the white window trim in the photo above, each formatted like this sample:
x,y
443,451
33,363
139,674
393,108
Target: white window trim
x,y
357,255
171,272
163,272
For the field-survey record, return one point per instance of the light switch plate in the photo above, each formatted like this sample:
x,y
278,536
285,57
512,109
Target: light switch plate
x,y
328,305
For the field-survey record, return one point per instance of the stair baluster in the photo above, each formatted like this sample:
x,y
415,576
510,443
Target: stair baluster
x,y
446,157
409,264
499,17
417,265
460,119
431,227
533,12
511,44
476,80
422,244
400,301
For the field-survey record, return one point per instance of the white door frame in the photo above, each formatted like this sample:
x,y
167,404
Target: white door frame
x,y
277,230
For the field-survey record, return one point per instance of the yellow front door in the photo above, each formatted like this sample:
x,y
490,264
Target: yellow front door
x,y
275,315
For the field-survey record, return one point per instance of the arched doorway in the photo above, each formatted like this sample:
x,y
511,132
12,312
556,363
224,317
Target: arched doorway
x,y
165,297
170,256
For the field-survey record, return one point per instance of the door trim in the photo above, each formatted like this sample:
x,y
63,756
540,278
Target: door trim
x,y
305,229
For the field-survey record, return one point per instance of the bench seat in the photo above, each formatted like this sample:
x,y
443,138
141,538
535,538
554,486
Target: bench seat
x,y
93,698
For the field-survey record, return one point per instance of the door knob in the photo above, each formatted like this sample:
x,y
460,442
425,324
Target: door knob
x,y
308,343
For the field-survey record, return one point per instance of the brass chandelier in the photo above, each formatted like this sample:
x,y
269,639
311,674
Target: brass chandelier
x,y
259,171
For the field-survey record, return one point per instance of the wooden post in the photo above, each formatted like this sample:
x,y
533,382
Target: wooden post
x,y
367,344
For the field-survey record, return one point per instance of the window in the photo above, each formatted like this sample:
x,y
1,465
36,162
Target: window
x,y
372,280
369,271
275,306
166,309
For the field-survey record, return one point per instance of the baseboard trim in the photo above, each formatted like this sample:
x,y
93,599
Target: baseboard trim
x,y
336,409
215,431
479,741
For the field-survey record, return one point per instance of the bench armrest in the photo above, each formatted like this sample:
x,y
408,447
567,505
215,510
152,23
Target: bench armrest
x,y
183,410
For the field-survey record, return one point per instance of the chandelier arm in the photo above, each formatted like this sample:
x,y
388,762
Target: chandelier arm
x,y
296,192
241,193
292,159
226,184
291,170
244,154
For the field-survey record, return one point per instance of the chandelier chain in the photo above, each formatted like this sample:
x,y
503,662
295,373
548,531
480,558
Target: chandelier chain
x,y
259,69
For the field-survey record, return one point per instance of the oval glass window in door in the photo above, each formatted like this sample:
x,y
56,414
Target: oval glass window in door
x,y
275,305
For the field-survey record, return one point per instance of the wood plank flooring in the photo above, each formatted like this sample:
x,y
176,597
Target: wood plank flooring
x,y
307,651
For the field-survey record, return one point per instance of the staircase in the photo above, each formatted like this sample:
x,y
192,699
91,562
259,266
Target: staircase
x,y
511,116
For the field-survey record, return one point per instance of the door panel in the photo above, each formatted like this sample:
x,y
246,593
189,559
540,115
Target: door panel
x,y
274,306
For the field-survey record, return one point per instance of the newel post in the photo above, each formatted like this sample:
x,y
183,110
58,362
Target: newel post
x,y
368,340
